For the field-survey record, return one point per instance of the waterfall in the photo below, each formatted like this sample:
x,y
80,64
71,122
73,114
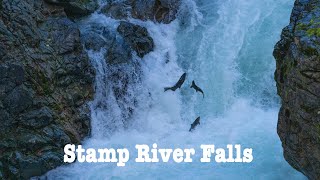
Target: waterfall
x,y
226,47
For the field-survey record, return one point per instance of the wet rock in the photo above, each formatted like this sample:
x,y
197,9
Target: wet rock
x,y
298,83
117,9
125,82
93,41
30,167
76,7
137,37
95,37
162,11
119,53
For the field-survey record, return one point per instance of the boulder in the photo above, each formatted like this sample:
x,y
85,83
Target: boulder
x,y
137,37
117,9
119,53
95,37
162,11
76,8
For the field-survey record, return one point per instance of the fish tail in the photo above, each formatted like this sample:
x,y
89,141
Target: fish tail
x,y
192,85
167,89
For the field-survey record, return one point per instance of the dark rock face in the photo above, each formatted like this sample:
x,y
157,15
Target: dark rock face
x,y
76,8
119,53
157,10
46,78
137,37
95,37
119,46
298,83
162,11
45,81
117,9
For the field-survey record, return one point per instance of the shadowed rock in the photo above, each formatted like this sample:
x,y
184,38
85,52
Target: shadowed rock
x,y
95,37
45,82
162,11
137,37
119,53
117,9
76,7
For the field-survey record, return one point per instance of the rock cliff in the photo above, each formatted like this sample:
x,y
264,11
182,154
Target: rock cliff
x,y
46,81
46,78
298,81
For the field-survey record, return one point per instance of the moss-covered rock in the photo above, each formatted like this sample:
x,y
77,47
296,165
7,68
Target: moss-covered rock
x,y
298,83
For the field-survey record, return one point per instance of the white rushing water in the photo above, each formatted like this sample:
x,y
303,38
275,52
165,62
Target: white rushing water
x,y
226,47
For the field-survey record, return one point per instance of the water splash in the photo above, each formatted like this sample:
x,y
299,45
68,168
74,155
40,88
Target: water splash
x,y
225,45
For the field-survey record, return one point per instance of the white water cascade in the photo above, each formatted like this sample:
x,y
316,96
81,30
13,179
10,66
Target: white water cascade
x,y
226,47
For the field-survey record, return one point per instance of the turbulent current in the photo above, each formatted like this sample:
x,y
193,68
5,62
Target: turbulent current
x,y
226,47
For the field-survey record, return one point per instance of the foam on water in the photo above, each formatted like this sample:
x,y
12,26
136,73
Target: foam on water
x,y
226,46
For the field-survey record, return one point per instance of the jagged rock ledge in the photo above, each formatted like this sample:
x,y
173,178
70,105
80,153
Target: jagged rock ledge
x,y
298,81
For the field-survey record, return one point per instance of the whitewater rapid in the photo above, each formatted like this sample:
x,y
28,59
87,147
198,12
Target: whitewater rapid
x,y
226,47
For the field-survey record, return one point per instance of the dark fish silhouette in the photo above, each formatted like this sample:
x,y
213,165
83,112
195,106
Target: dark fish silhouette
x,y
195,124
178,84
195,87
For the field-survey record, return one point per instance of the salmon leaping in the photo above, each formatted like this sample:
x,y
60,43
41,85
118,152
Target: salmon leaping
x,y
195,124
178,84
195,87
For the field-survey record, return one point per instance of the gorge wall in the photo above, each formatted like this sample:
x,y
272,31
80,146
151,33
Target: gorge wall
x,y
298,82
47,80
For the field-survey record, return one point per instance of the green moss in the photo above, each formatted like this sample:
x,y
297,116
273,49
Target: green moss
x,y
313,32
285,70
301,26
57,107
310,27
44,83
318,130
